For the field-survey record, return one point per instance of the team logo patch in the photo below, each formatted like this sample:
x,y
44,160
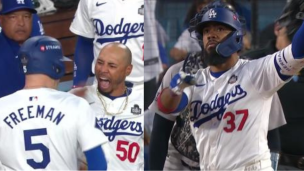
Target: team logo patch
x,y
212,13
141,10
232,79
136,110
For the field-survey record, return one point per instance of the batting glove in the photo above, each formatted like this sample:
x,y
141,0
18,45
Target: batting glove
x,y
181,81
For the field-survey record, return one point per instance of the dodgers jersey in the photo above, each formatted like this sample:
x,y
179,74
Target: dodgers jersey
x,y
43,128
125,131
113,21
222,113
230,114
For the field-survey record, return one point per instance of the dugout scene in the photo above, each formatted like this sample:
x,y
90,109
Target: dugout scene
x,y
211,85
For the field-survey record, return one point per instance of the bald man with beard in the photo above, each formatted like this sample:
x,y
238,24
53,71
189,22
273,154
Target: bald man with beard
x,y
119,109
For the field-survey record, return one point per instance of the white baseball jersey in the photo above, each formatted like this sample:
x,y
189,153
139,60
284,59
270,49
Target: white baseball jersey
x,y
233,111
153,65
124,131
113,21
187,43
43,128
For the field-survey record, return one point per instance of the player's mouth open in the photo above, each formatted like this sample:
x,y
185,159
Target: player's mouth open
x,y
104,83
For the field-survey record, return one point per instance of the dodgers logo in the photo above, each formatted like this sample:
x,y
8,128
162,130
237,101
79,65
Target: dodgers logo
x,y
216,107
112,128
122,32
20,1
212,13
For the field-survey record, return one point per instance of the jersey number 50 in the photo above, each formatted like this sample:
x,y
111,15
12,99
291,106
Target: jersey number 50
x,y
29,145
129,152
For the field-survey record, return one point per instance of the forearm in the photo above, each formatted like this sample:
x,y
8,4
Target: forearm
x,y
168,101
159,142
83,60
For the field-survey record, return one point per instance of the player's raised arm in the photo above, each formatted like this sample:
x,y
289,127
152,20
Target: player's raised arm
x,y
291,64
172,99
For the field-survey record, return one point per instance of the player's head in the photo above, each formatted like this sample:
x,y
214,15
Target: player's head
x,y
112,67
16,19
287,24
42,55
220,29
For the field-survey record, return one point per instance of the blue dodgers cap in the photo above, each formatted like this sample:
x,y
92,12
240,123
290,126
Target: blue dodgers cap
x,y
14,5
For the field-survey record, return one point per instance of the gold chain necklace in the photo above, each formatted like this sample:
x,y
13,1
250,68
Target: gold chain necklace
x,y
104,104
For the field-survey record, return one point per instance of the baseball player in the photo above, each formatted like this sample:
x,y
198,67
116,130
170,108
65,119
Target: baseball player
x,y
42,128
16,19
230,100
99,22
182,152
118,109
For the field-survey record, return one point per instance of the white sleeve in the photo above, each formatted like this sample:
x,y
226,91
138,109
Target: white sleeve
x,y
82,24
276,116
264,75
88,135
174,69
183,41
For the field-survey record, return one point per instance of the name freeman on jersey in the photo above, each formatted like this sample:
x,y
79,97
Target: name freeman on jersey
x,y
219,104
31,112
122,28
112,128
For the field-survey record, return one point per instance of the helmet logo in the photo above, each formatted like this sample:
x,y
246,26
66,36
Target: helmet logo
x,y
20,1
212,13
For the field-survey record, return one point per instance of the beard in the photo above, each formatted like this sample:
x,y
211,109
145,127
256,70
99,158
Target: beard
x,y
213,58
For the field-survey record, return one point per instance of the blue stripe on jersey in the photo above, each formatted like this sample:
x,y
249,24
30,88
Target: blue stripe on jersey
x,y
182,104
123,39
278,68
96,159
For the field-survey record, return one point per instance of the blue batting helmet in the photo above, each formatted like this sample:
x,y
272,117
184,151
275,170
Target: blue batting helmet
x,y
222,13
42,55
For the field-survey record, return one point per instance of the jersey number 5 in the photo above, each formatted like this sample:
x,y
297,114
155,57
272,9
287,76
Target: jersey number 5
x,y
129,152
231,120
28,134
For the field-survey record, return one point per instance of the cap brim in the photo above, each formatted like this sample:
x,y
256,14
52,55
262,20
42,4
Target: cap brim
x,y
32,10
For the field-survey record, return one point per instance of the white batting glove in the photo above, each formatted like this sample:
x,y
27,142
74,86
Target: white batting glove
x,y
181,81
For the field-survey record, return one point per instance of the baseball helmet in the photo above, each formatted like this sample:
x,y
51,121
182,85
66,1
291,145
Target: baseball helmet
x,y
42,55
290,17
220,12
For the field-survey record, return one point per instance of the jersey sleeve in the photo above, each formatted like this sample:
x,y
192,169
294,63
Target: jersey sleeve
x,y
174,69
264,73
82,24
88,135
183,41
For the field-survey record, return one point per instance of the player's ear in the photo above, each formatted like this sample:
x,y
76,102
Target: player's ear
x,y
129,69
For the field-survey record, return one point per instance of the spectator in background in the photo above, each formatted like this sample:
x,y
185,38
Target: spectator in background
x,y
16,20
37,26
291,94
185,43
